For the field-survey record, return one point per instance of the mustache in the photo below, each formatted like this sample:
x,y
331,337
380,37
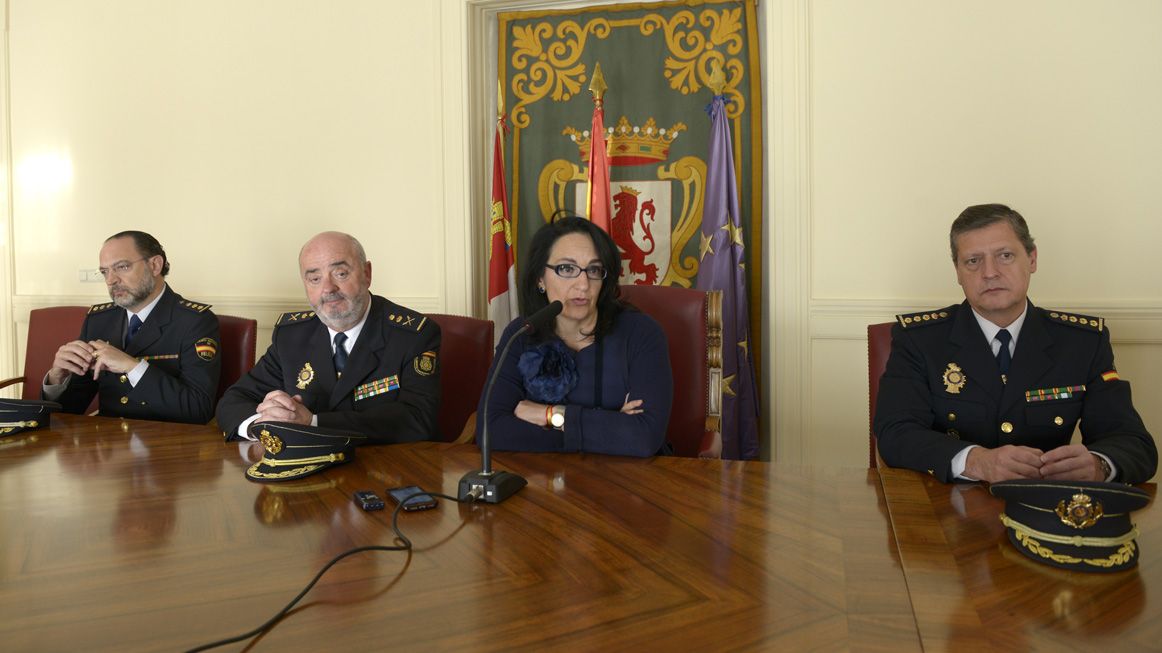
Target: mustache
x,y
334,296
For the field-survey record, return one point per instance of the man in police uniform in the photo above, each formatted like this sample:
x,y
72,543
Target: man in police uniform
x,y
148,354
991,389
358,362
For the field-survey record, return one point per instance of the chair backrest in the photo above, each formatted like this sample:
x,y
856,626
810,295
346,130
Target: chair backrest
x,y
238,337
48,329
692,320
879,347
466,350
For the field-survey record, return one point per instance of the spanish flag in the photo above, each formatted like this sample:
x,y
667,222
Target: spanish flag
x,y
599,207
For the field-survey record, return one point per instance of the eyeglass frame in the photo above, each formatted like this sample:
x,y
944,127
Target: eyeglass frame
x,y
557,269
120,268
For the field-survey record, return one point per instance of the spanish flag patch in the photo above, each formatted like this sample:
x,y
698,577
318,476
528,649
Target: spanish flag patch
x,y
1111,375
206,349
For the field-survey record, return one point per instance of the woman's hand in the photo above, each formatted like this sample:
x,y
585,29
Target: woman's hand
x,y
632,407
532,412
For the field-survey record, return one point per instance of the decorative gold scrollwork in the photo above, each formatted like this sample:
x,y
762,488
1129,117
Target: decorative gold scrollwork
x,y
691,172
552,67
545,61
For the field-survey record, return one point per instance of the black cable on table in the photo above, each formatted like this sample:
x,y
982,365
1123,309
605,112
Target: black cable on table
x,y
405,546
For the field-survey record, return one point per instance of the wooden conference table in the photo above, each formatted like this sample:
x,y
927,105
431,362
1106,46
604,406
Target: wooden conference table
x,y
142,536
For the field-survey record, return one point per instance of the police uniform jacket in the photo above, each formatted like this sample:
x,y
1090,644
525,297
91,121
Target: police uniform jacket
x,y
942,390
389,390
179,340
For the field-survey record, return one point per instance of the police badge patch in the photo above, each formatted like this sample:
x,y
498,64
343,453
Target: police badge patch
x,y
306,375
425,363
954,379
206,349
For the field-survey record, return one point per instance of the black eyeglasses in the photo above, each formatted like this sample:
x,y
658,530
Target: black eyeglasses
x,y
570,271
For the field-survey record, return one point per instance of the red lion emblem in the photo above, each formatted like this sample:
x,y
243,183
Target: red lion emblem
x,y
625,210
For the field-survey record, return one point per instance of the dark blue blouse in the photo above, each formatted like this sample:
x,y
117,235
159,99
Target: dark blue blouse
x,y
635,361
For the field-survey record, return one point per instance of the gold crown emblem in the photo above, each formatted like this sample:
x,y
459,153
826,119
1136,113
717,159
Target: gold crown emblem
x,y
630,145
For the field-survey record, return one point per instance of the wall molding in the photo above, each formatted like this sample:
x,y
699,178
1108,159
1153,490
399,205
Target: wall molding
x,y
8,345
786,44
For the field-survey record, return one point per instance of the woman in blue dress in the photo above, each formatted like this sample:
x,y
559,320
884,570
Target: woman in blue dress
x,y
597,379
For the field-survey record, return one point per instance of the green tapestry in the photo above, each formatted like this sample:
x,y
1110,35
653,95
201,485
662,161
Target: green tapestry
x,y
657,60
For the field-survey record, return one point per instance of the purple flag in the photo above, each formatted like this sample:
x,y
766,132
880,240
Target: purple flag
x,y
723,268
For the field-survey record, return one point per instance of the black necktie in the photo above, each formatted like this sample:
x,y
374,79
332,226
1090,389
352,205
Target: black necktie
x,y
134,327
340,356
1004,358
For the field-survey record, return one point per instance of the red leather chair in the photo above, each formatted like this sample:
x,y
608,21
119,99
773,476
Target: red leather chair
x,y
48,329
238,337
692,320
879,347
466,350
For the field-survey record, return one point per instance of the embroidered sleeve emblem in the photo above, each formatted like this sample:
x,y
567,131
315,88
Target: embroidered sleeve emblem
x,y
206,349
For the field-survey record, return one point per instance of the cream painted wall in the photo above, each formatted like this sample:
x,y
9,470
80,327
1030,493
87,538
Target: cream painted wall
x,y
233,131
901,113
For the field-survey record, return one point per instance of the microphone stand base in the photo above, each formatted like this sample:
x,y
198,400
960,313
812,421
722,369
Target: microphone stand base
x,y
493,488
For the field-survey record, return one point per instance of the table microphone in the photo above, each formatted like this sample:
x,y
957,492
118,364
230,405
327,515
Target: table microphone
x,y
485,484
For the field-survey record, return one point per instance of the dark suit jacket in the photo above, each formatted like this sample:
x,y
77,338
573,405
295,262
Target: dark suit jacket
x,y
179,339
922,421
398,348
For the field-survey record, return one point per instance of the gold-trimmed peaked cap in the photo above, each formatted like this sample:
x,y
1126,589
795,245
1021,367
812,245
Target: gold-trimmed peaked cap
x,y
293,450
17,415
1078,525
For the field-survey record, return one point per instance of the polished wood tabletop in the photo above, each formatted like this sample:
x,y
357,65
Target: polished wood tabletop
x,y
972,590
123,535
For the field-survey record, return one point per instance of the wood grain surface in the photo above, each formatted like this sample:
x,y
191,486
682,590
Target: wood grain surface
x,y
143,536
972,590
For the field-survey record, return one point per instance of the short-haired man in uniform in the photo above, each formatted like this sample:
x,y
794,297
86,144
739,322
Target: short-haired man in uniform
x,y
357,362
148,354
992,388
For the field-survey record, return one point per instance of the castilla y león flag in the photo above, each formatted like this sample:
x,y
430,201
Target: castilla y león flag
x,y
502,306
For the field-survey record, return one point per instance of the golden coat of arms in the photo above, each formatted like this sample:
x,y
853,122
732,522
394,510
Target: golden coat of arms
x,y
306,375
954,379
1081,512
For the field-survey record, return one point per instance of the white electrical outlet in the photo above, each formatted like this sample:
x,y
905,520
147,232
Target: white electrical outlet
x,y
89,276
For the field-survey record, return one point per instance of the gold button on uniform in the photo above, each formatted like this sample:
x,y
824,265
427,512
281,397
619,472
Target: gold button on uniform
x,y
125,400
951,417
1006,427
1058,420
124,379
954,433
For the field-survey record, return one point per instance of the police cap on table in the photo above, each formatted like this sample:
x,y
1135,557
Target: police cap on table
x,y
293,450
18,415
1079,525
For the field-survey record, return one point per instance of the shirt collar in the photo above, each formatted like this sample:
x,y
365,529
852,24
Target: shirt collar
x,y
143,314
990,330
352,333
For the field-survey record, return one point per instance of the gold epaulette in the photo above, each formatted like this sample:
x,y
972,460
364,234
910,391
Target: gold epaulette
x,y
1088,322
193,306
101,308
923,319
406,320
293,317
